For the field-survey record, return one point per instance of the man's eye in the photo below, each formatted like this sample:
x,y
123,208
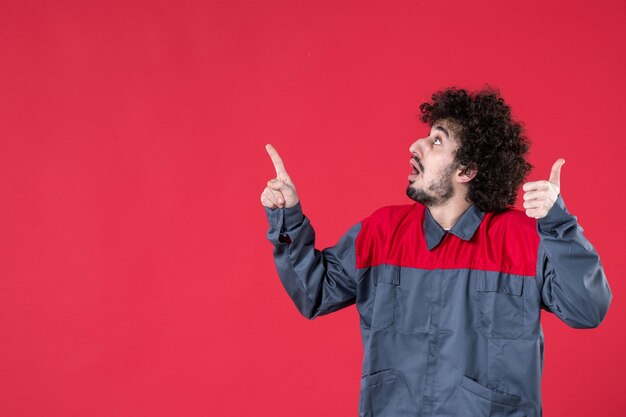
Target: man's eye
x,y
437,139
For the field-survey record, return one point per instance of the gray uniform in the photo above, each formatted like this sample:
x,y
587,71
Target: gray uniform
x,y
450,320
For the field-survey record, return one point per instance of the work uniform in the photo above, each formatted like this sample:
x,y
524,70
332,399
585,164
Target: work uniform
x,y
449,319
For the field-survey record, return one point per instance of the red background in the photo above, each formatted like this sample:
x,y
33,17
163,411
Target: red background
x,y
135,276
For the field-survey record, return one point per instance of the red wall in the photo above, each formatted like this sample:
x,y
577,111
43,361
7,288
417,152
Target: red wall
x,y
135,278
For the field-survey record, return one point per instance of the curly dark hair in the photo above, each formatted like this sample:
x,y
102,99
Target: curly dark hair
x,y
490,142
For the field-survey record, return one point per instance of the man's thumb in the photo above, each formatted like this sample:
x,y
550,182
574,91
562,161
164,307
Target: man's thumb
x,y
276,184
555,174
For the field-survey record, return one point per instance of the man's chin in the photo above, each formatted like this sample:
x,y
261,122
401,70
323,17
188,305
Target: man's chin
x,y
418,195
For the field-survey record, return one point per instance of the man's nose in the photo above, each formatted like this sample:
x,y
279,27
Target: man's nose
x,y
414,147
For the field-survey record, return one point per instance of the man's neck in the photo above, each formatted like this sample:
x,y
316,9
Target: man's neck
x,y
447,214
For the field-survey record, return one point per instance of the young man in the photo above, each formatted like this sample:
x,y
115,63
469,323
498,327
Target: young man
x,y
449,289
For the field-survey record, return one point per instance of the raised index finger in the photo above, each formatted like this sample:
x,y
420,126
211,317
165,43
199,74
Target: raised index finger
x,y
281,172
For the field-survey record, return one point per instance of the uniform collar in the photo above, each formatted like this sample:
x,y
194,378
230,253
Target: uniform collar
x,y
464,228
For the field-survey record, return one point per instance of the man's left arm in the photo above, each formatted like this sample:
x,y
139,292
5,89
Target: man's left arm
x,y
574,285
570,275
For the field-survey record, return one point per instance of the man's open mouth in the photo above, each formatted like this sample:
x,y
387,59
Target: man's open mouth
x,y
416,167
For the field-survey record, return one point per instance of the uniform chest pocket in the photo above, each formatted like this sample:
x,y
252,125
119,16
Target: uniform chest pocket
x,y
387,280
500,305
402,301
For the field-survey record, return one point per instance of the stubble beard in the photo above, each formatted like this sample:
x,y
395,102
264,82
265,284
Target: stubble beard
x,y
438,192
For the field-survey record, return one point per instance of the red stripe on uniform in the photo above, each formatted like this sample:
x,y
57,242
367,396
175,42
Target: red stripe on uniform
x,y
394,235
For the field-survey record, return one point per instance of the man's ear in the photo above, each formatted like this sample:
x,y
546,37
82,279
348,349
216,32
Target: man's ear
x,y
466,174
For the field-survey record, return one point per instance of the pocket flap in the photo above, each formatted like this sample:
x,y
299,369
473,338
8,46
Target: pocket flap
x,y
504,283
389,274
378,377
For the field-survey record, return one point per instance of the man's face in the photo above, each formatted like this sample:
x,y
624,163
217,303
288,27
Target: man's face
x,y
433,167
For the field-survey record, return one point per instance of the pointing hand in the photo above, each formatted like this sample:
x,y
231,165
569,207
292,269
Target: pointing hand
x,y
280,191
540,196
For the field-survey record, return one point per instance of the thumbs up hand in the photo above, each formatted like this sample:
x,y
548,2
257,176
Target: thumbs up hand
x,y
540,196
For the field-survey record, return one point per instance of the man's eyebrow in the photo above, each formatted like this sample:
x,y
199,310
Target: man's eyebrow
x,y
444,130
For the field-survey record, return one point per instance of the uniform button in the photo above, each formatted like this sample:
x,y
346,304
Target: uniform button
x,y
432,351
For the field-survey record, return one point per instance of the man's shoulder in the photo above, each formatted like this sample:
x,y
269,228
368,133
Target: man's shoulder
x,y
511,217
389,215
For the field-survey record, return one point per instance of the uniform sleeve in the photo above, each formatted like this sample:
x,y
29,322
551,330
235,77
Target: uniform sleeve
x,y
318,282
572,281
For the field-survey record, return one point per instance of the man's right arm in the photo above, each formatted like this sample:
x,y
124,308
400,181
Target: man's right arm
x,y
318,282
